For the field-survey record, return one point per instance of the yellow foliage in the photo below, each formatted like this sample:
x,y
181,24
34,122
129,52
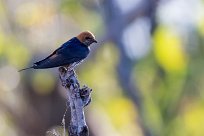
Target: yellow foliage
x,y
194,119
17,55
76,11
43,82
13,51
33,13
1,9
121,112
201,26
7,128
2,43
169,51
123,116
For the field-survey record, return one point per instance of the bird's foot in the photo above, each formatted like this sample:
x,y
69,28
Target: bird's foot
x,y
62,70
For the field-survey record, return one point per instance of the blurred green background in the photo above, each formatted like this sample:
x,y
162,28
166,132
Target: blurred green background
x,y
146,72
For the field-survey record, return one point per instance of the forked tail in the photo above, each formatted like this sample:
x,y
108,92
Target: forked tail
x,y
26,68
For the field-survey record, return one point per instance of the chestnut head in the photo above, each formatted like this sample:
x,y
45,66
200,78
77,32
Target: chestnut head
x,y
86,38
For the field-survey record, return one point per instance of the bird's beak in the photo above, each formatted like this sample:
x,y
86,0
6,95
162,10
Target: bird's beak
x,y
94,41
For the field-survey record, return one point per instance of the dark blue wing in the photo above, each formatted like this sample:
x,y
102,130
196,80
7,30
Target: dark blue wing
x,y
70,52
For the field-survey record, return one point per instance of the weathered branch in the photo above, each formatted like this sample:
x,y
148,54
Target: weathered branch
x,y
78,99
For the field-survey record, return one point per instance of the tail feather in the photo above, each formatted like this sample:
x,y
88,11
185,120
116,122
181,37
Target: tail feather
x,y
26,68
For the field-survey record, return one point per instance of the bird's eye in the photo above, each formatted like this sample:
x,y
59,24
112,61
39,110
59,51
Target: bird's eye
x,y
87,38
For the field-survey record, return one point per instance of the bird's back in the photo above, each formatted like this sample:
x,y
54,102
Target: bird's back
x,y
70,52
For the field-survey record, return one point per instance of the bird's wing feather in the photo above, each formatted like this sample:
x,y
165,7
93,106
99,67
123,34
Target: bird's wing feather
x,y
55,61
52,55
59,58
68,53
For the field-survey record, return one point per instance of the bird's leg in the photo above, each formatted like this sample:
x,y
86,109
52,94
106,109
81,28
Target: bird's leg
x,y
63,72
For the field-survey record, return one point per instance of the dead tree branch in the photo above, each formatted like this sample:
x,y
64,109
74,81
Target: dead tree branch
x,y
78,99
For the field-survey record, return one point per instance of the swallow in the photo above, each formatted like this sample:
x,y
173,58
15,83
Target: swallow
x,y
69,54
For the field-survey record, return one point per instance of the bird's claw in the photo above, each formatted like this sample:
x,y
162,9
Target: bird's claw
x,y
62,70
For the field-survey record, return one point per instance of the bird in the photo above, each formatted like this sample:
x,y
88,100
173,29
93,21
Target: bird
x,y
70,54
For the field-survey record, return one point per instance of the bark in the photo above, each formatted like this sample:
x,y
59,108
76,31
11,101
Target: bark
x,y
78,99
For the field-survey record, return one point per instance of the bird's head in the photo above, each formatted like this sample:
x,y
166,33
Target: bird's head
x,y
86,38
